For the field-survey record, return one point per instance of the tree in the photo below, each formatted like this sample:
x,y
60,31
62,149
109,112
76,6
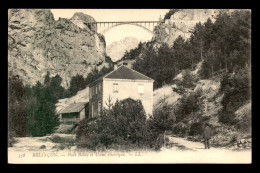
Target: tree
x,y
189,103
197,38
16,107
157,65
40,106
95,74
236,92
163,118
170,13
56,89
47,79
77,83
117,127
188,80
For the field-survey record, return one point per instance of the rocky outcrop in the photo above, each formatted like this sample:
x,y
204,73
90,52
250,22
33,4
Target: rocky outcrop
x,y
37,44
117,49
80,19
183,21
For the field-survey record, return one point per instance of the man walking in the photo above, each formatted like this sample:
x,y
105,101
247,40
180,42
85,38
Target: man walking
x,y
207,136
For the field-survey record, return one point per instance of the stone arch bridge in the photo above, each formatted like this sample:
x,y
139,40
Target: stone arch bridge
x,y
103,27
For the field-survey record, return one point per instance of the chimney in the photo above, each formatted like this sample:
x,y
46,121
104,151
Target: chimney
x,y
115,66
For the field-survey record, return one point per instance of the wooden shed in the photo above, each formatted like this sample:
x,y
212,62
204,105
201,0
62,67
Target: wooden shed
x,y
74,112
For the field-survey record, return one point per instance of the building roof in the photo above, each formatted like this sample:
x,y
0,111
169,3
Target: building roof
x,y
124,72
75,107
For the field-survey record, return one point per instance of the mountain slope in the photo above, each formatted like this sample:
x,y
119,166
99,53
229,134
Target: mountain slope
x,y
117,49
37,44
209,110
81,96
183,21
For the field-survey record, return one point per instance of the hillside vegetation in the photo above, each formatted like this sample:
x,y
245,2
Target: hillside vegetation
x,y
32,110
217,90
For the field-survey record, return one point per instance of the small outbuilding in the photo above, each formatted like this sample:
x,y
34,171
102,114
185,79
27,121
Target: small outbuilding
x,y
74,112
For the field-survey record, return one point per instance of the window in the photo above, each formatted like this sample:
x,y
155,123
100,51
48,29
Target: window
x,y
93,90
99,107
93,109
99,88
140,89
90,92
115,87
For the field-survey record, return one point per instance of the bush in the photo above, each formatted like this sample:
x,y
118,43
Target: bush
x,y
189,103
188,80
236,93
181,129
62,139
163,118
118,128
196,129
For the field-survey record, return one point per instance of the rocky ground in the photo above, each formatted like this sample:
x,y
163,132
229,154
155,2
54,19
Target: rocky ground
x,y
190,144
52,142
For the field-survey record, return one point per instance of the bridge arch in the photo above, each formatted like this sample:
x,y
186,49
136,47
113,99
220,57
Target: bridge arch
x,y
120,24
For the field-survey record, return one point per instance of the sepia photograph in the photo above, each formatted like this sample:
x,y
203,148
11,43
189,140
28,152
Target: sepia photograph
x,y
129,86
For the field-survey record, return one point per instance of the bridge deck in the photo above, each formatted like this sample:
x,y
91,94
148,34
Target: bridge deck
x,y
122,22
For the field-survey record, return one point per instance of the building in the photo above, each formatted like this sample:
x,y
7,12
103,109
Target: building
x,y
74,112
121,83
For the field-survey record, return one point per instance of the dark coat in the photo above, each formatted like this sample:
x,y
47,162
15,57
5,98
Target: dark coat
x,y
207,132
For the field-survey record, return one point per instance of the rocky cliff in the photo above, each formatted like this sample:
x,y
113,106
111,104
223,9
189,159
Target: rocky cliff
x,y
117,49
37,44
183,21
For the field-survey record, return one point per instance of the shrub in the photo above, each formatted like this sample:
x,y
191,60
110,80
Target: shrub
x,y
234,139
196,129
180,129
62,139
236,93
163,118
188,103
188,80
118,128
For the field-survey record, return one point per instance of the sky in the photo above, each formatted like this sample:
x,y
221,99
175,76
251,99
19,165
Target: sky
x,y
120,32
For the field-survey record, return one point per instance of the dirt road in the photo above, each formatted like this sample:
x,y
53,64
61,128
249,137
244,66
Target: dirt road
x,y
28,150
184,144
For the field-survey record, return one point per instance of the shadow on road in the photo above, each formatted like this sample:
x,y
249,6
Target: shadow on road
x,y
199,148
